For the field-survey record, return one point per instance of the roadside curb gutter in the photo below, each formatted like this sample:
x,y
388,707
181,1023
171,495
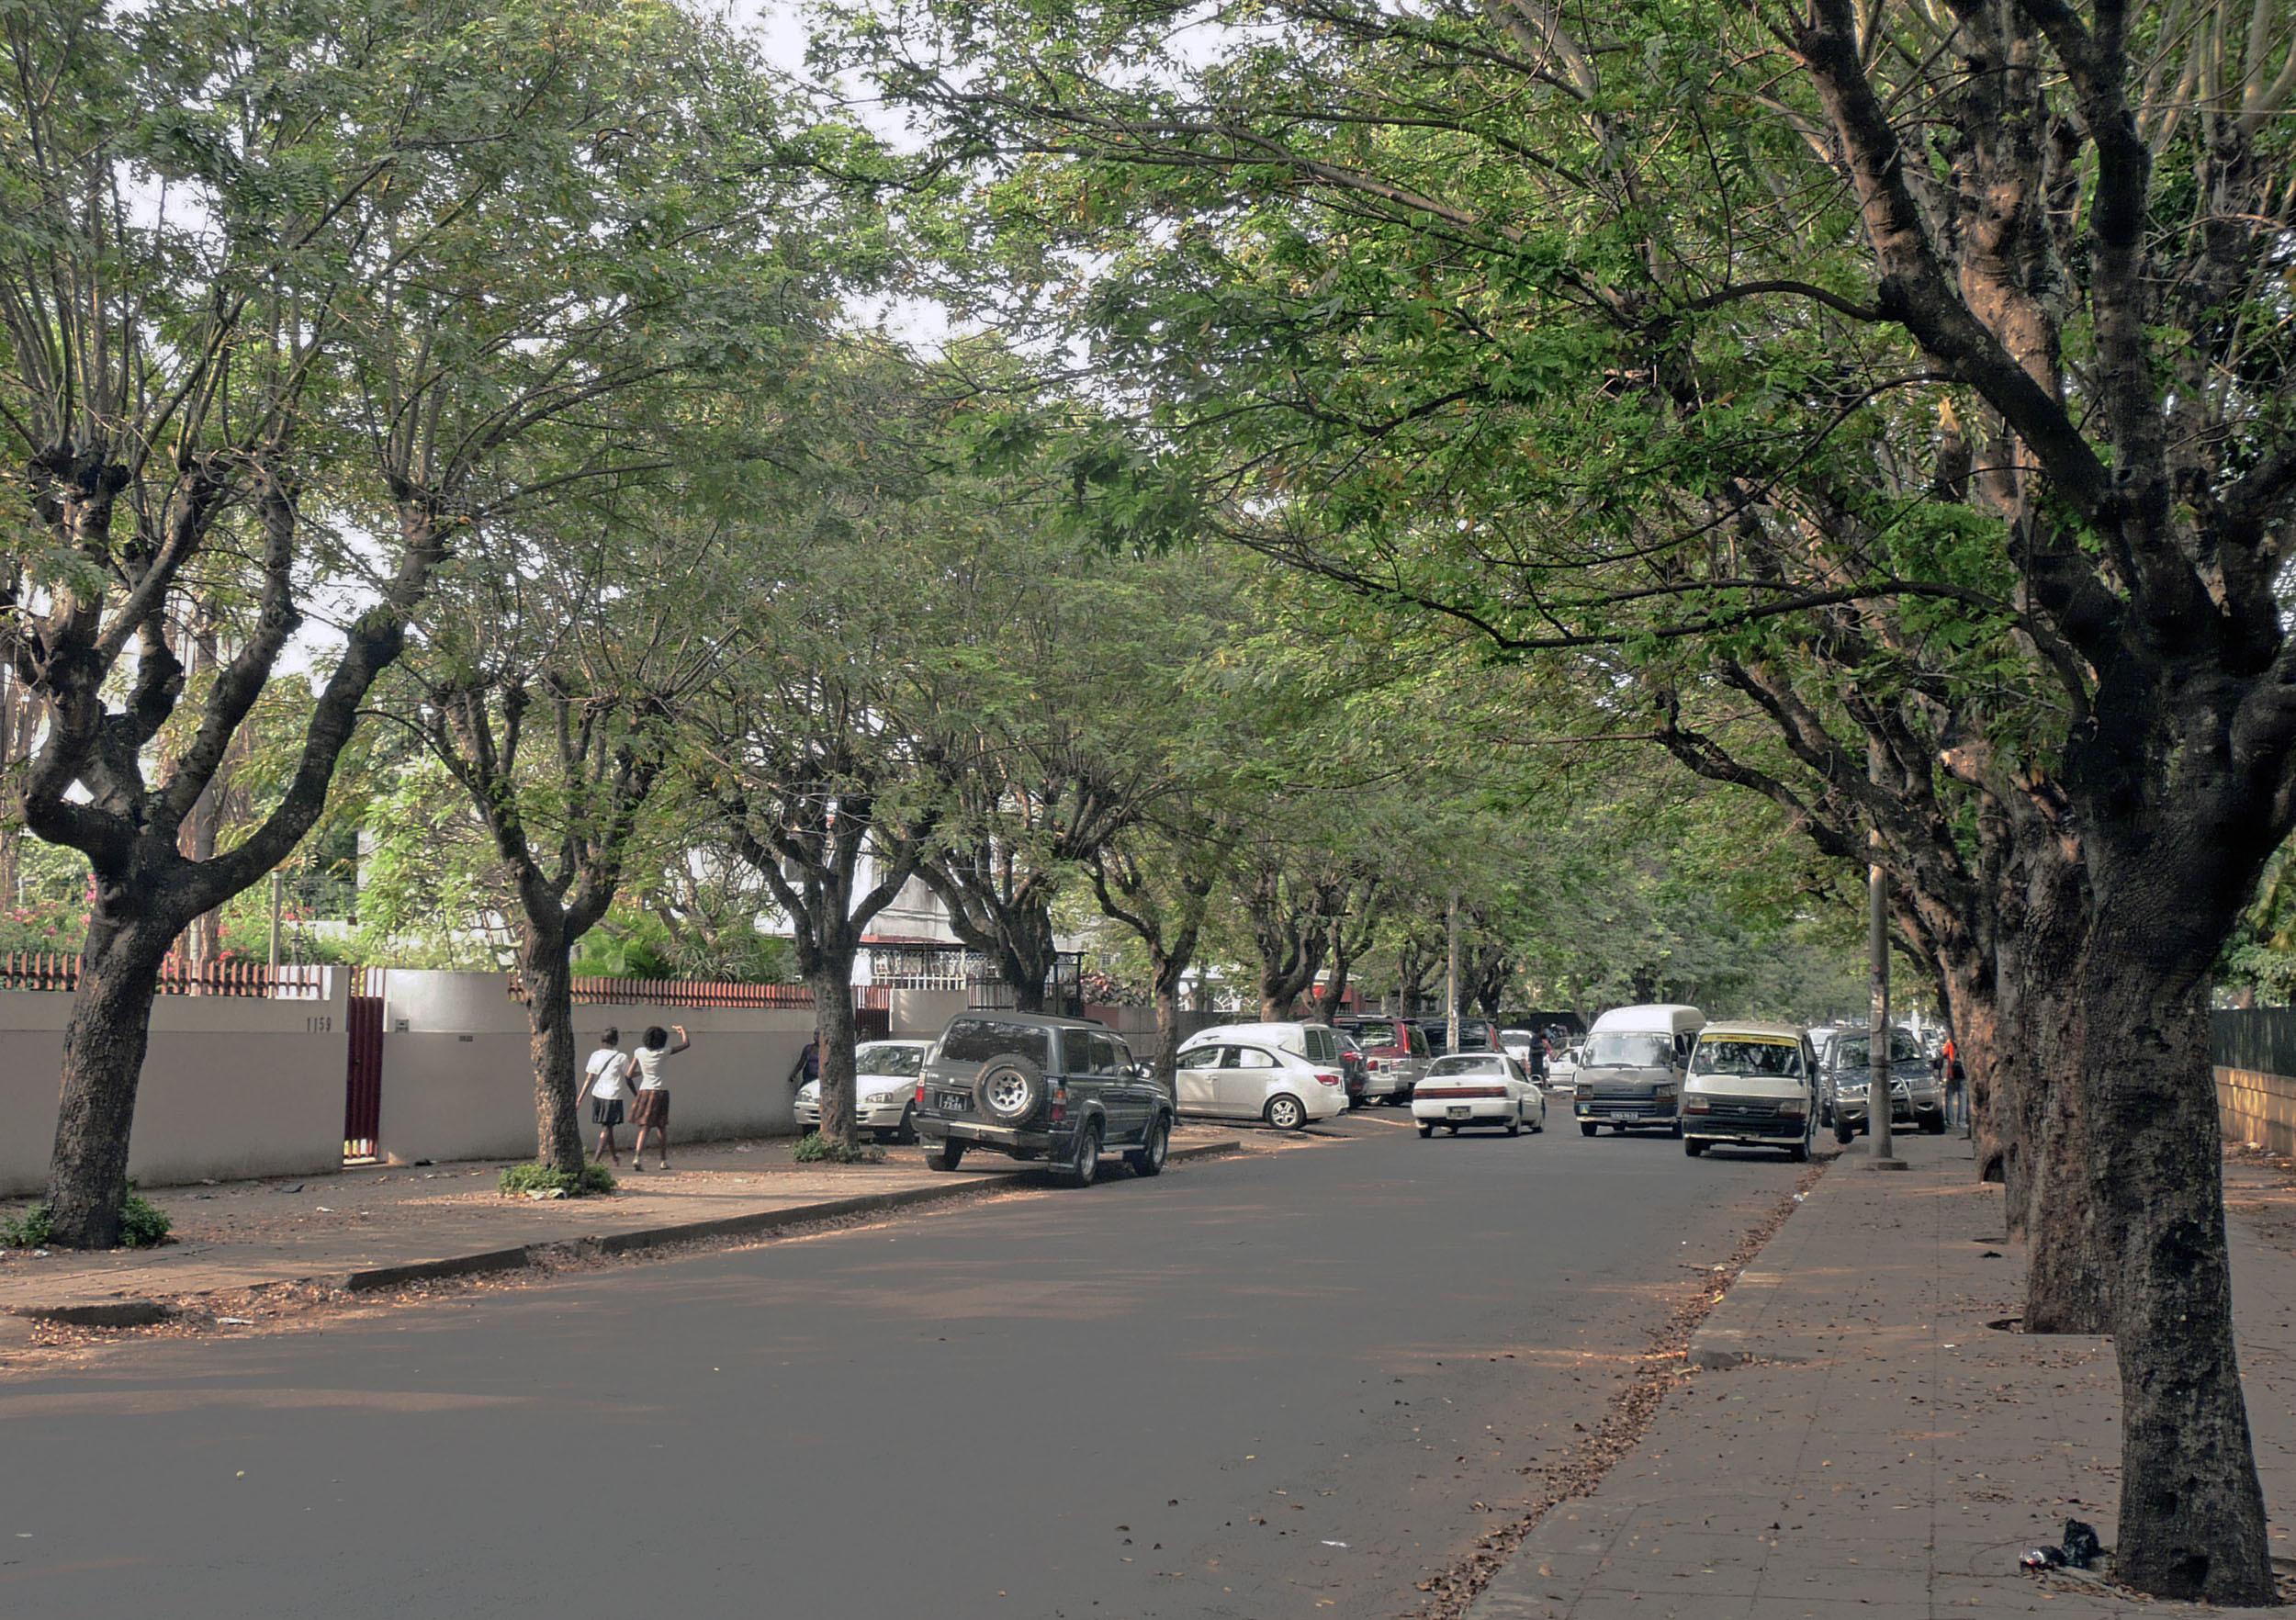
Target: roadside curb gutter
x,y
143,1311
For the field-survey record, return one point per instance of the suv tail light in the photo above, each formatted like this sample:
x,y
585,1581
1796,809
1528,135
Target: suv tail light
x,y
920,1094
1060,1104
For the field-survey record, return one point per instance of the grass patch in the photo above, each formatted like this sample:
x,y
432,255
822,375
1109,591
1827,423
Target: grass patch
x,y
813,1148
527,1181
142,1225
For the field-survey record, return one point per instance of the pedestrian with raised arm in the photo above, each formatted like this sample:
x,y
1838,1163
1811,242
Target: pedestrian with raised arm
x,y
606,1082
652,1059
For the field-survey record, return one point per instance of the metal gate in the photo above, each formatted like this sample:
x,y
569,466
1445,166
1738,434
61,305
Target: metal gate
x,y
363,1096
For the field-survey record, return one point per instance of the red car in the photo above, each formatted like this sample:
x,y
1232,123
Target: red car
x,y
1395,1054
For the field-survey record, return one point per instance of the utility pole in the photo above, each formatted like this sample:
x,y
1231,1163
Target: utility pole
x,y
1451,982
1880,1152
278,898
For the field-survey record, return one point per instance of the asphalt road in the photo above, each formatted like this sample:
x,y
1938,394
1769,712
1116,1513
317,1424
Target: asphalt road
x,y
1167,1398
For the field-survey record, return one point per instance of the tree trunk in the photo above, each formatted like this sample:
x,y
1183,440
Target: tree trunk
x,y
2192,1524
1973,1015
549,980
1167,976
831,979
104,1044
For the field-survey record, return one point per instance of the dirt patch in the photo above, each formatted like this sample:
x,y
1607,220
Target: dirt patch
x,y
2260,1188
1661,1365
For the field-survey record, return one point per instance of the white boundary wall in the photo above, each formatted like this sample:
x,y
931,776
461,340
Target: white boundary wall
x,y
458,1069
241,1086
232,1087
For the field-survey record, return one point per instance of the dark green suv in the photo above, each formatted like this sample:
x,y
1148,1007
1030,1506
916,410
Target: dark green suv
x,y
1062,1090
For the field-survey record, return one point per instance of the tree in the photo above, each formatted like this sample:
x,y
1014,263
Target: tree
x,y
1156,878
1053,769
2034,639
553,671
210,200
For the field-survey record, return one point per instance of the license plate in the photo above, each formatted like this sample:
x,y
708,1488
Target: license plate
x,y
954,1102
1462,1113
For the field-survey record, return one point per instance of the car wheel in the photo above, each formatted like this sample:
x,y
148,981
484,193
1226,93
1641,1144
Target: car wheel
x,y
1933,1126
1009,1089
1514,1121
1677,1131
1426,1129
905,1132
1286,1113
1842,1131
1587,1129
1085,1164
944,1158
1692,1147
1798,1153
1148,1158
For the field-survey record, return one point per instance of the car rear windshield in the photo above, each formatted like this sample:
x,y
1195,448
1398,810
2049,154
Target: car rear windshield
x,y
1377,1035
889,1060
975,1041
1466,1064
1628,1049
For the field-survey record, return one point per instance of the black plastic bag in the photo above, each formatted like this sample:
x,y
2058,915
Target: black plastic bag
x,y
2081,1547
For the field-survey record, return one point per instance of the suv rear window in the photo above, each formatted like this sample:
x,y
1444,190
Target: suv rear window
x,y
1322,1048
975,1041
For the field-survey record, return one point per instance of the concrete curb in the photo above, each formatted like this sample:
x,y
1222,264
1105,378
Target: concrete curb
x,y
1733,1335
142,1312
1741,1330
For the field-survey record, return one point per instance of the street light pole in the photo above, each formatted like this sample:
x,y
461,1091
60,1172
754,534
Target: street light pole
x,y
1451,984
278,896
1880,1153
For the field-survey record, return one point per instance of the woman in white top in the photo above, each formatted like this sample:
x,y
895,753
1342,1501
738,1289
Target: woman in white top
x,y
606,1083
653,1093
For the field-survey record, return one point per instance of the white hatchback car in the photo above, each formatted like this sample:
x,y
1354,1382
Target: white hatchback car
x,y
1478,1088
1227,1076
884,1085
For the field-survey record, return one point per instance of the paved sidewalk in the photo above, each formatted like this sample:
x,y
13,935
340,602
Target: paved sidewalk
x,y
1886,1453
375,1227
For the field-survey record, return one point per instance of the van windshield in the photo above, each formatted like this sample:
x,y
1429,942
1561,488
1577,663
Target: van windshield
x,y
1628,1049
1777,1060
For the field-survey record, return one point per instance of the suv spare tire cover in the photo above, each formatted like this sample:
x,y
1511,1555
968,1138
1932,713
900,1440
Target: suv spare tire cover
x,y
996,1080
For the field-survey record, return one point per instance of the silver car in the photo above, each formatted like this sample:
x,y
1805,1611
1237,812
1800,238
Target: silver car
x,y
884,1087
1916,1095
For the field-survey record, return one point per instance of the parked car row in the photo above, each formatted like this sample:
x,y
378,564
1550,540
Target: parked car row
x,y
1067,1091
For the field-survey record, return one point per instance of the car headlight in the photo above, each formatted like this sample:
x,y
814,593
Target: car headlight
x,y
882,1099
1584,1093
1697,1104
1794,1108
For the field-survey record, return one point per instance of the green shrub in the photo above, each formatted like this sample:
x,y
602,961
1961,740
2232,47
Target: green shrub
x,y
142,1225
28,1231
813,1148
521,1180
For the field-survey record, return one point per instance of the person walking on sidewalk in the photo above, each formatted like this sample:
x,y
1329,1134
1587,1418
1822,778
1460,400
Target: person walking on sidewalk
x,y
606,1082
1956,1086
653,1093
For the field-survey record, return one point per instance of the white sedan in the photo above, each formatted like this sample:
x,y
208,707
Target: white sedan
x,y
884,1085
1478,1088
1231,1078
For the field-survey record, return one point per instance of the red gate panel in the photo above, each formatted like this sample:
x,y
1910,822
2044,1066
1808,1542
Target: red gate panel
x,y
362,1098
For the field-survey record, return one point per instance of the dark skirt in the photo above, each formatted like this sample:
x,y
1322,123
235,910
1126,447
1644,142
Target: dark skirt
x,y
653,1109
604,1113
